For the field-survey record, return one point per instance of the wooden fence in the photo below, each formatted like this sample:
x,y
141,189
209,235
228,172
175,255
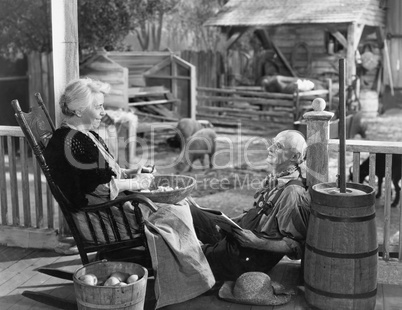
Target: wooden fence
x,y
209,67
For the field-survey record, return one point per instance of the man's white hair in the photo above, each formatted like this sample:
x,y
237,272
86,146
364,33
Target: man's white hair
x,y
299,144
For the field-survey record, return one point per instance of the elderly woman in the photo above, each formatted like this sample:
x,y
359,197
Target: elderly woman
x,y
87,173
79,159
80,162
274,227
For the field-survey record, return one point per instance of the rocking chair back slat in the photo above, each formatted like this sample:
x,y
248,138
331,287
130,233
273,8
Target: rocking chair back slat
x,y
38,128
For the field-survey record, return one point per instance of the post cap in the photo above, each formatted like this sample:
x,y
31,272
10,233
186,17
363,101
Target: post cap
x,y
319,104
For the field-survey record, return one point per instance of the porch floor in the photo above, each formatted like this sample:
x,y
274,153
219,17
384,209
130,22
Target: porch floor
x,y
17,274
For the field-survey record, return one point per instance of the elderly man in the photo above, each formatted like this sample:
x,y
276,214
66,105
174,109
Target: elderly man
x,y
274,227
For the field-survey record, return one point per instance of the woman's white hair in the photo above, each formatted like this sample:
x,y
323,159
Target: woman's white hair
x,y
80,93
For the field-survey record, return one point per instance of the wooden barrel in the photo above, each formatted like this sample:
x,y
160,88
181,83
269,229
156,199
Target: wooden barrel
x,y
129,297
369,103
340,265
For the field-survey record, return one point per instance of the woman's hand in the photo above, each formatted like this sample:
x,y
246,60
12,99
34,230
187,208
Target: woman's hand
x,y
148,169
130,173
142,181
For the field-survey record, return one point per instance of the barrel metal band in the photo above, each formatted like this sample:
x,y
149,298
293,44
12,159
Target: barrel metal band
x,y
342,219
341,296
118,306
341,255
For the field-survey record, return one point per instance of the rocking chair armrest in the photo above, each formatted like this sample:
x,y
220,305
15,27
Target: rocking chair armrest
x,y
111,203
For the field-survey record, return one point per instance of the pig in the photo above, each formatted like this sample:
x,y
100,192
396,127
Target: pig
x,y
358,125
380,173
186,127
197,146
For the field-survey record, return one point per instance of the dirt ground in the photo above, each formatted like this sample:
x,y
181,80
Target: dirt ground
x,y
239,168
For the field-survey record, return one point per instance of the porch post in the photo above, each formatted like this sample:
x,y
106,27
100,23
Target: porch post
x,y
65,47
65,57
317,142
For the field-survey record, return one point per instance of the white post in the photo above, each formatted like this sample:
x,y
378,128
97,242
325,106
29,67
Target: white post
x,y
65,47
317,142
65,56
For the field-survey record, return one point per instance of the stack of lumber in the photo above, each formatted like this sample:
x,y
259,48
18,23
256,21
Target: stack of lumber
x,y
155,107
250,109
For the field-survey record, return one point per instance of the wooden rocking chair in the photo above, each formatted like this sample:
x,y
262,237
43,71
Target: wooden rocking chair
x,y
38,128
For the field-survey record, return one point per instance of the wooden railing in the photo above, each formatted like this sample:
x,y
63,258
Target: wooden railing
x,y
317,162
25,198
376,147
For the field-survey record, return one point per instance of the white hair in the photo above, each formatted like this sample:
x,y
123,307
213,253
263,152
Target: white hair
x,y
80,93
299,142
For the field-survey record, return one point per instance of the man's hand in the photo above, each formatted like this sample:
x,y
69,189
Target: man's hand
x,y
247,238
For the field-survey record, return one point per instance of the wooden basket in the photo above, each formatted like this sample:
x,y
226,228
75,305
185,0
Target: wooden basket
x,y
130,297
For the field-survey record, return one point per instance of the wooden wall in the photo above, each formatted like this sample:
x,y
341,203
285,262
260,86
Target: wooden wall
x,y
209,66
40,72
322,64
137,63
287,37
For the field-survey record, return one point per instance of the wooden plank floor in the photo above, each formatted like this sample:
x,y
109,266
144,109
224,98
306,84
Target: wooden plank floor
x,y
17,274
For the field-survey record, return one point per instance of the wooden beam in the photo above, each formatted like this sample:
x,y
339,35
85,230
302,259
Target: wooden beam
x,y
233,38
14,131
380,33
158,67
65,47
339,36
174,82
193,84
358,34
262,35
388,66
265,38
350,55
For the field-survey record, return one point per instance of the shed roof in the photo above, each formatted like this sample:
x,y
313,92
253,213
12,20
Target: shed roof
x,y
277,12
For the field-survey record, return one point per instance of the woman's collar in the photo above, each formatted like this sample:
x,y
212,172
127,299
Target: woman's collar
x,y
78,128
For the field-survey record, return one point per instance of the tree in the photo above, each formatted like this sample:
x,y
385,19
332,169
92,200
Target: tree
x,y
104,23
188,22
26,25
150,15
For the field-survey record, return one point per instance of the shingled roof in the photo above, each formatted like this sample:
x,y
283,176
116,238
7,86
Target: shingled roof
x,y
278,12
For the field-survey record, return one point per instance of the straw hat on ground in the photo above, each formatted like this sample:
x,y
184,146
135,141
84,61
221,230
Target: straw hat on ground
x,y
254,288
